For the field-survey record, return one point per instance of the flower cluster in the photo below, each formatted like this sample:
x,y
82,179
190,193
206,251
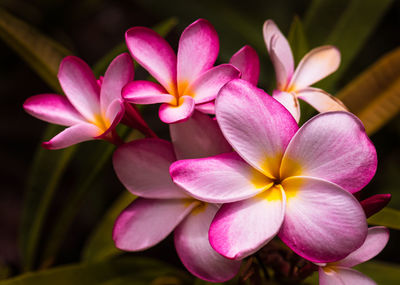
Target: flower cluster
x,y
227,185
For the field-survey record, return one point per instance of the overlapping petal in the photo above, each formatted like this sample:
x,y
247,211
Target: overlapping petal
x,y
329,277
321,100
146,92
289,100
344,276
247,61
113,115
206,108
174,114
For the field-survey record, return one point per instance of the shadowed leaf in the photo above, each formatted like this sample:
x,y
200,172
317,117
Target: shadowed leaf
x,y
386,217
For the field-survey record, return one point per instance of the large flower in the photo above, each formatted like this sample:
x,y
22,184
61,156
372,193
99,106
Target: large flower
x,y
187,80
143,167
340,272
282,180
91,109
293,84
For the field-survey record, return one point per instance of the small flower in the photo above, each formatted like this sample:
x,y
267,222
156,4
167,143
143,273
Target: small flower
x,y
187,80
340,272
283,180
294,84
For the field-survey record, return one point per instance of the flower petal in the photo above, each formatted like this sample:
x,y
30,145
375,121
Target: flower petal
x,y
53,108
206,108
146,92
118,74
146,222
375,203
195,251
199,136
198,50
329,276
80,86
332,146
247,61
323,222
219,179
114,115
73,135
143,167
349,276
321,100
152,52
290,102
240,229
376,241
258,127
174,114
206,87
315,65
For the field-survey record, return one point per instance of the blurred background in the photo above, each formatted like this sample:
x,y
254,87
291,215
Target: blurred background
x,y
53,203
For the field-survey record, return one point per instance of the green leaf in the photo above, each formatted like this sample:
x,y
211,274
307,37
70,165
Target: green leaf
x,y
381,272
41,53
297,39
386,217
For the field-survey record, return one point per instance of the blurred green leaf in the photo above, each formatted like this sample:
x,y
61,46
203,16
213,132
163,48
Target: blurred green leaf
x,y
386,217
374,96
381,272
297,39
41,53
127,270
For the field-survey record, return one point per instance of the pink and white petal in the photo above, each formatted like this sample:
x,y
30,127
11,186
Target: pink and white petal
x,y
240,229
195,251
328,276
257,126
222,178
73,135
290,102
199,136
118,74
350,276
114,114
279,49
332,146
247,61
146,222
376,241
153,52
206,87
375,203
331,217
206,108
321,100
146,92
315,65
143,167
170,114
198,50
80,86
53,108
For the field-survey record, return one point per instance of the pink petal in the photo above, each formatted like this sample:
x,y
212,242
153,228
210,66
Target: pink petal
x,y
206,108
320,100
54,109
376,241
375,203
174,114
80,86
280,53
198,137
152,52
257,126
345,276
290,102
73,135
114,114
240,229
118,74
328,276
198,50
246,60
208,84
146,222
143,167
146,92
323,222
332,146
315,65
219,179
195,251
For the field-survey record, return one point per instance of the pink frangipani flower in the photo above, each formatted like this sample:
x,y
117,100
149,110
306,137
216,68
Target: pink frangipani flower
x,y
283,180
294,84
91,109
187,80
143,167
340,272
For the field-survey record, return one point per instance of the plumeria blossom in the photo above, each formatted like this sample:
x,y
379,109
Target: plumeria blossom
x,y
91,109
163,207
186,80
295,84
340,272
283,180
